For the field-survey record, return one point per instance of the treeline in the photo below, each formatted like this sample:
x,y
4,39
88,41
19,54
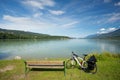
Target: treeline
x,y
14,34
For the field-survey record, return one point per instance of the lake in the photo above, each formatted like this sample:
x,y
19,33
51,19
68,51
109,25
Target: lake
x,y
42,49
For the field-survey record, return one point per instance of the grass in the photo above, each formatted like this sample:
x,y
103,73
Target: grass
x,y
108,69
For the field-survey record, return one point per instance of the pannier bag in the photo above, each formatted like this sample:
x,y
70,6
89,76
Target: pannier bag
x,y
91,62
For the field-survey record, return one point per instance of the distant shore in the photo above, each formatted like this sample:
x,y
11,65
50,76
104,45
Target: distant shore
x,y
16,34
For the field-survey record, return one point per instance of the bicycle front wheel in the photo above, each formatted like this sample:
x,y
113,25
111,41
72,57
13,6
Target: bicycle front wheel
x,y
70,64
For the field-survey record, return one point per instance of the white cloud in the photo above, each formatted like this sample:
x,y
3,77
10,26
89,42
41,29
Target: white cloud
x,y
114,17
34,4
24,23
36,25
48,2
117,4
111,29
68,25
37,15
38,4
57,12
107,1
16,19
103,30
106,18
50,25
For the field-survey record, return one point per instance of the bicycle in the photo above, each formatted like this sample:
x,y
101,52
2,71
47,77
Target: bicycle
x,y
86,65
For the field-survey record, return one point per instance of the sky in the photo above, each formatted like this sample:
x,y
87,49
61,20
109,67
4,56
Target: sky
x,y
73,18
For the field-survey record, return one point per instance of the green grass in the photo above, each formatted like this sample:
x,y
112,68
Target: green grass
x,y
108,69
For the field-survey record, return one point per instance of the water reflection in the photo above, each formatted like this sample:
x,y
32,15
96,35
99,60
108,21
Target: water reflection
x,y
4,55
107,45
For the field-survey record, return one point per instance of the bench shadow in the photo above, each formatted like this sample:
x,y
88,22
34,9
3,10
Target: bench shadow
x,y
43,70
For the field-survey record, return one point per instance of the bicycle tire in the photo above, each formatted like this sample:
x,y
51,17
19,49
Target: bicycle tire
x,y
71,64
84,64
94,70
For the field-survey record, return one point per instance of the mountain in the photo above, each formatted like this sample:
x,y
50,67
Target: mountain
x,y
111,35
16,34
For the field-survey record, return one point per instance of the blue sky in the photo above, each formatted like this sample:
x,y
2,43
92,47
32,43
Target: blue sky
x,y
74,18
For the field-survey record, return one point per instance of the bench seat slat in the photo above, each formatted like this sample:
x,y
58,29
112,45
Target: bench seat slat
x,y
47,67
44,63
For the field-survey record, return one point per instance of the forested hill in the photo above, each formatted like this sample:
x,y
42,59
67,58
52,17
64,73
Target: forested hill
x,y
15,34
111,35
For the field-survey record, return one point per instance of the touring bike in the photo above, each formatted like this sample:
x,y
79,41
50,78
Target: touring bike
x,y
88,65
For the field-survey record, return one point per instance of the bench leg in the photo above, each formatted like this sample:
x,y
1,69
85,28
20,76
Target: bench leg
x,y
26,69
64,69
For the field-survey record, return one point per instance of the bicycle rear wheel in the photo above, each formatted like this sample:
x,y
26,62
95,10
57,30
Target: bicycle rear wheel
x,y
94,70
84,64
71,64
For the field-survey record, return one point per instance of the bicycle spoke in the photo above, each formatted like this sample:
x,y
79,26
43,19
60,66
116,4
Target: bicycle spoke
x,y
70,64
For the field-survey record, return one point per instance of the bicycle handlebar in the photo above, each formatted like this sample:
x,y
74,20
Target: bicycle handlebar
x,y
78,56
74,54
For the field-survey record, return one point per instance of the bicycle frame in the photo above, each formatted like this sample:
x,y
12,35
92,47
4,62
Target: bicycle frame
x,y
75,57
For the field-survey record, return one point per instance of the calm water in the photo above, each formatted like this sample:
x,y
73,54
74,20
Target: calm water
x,y
38,49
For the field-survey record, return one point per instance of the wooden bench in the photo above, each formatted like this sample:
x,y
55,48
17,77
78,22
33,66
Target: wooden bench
x,y
44,65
